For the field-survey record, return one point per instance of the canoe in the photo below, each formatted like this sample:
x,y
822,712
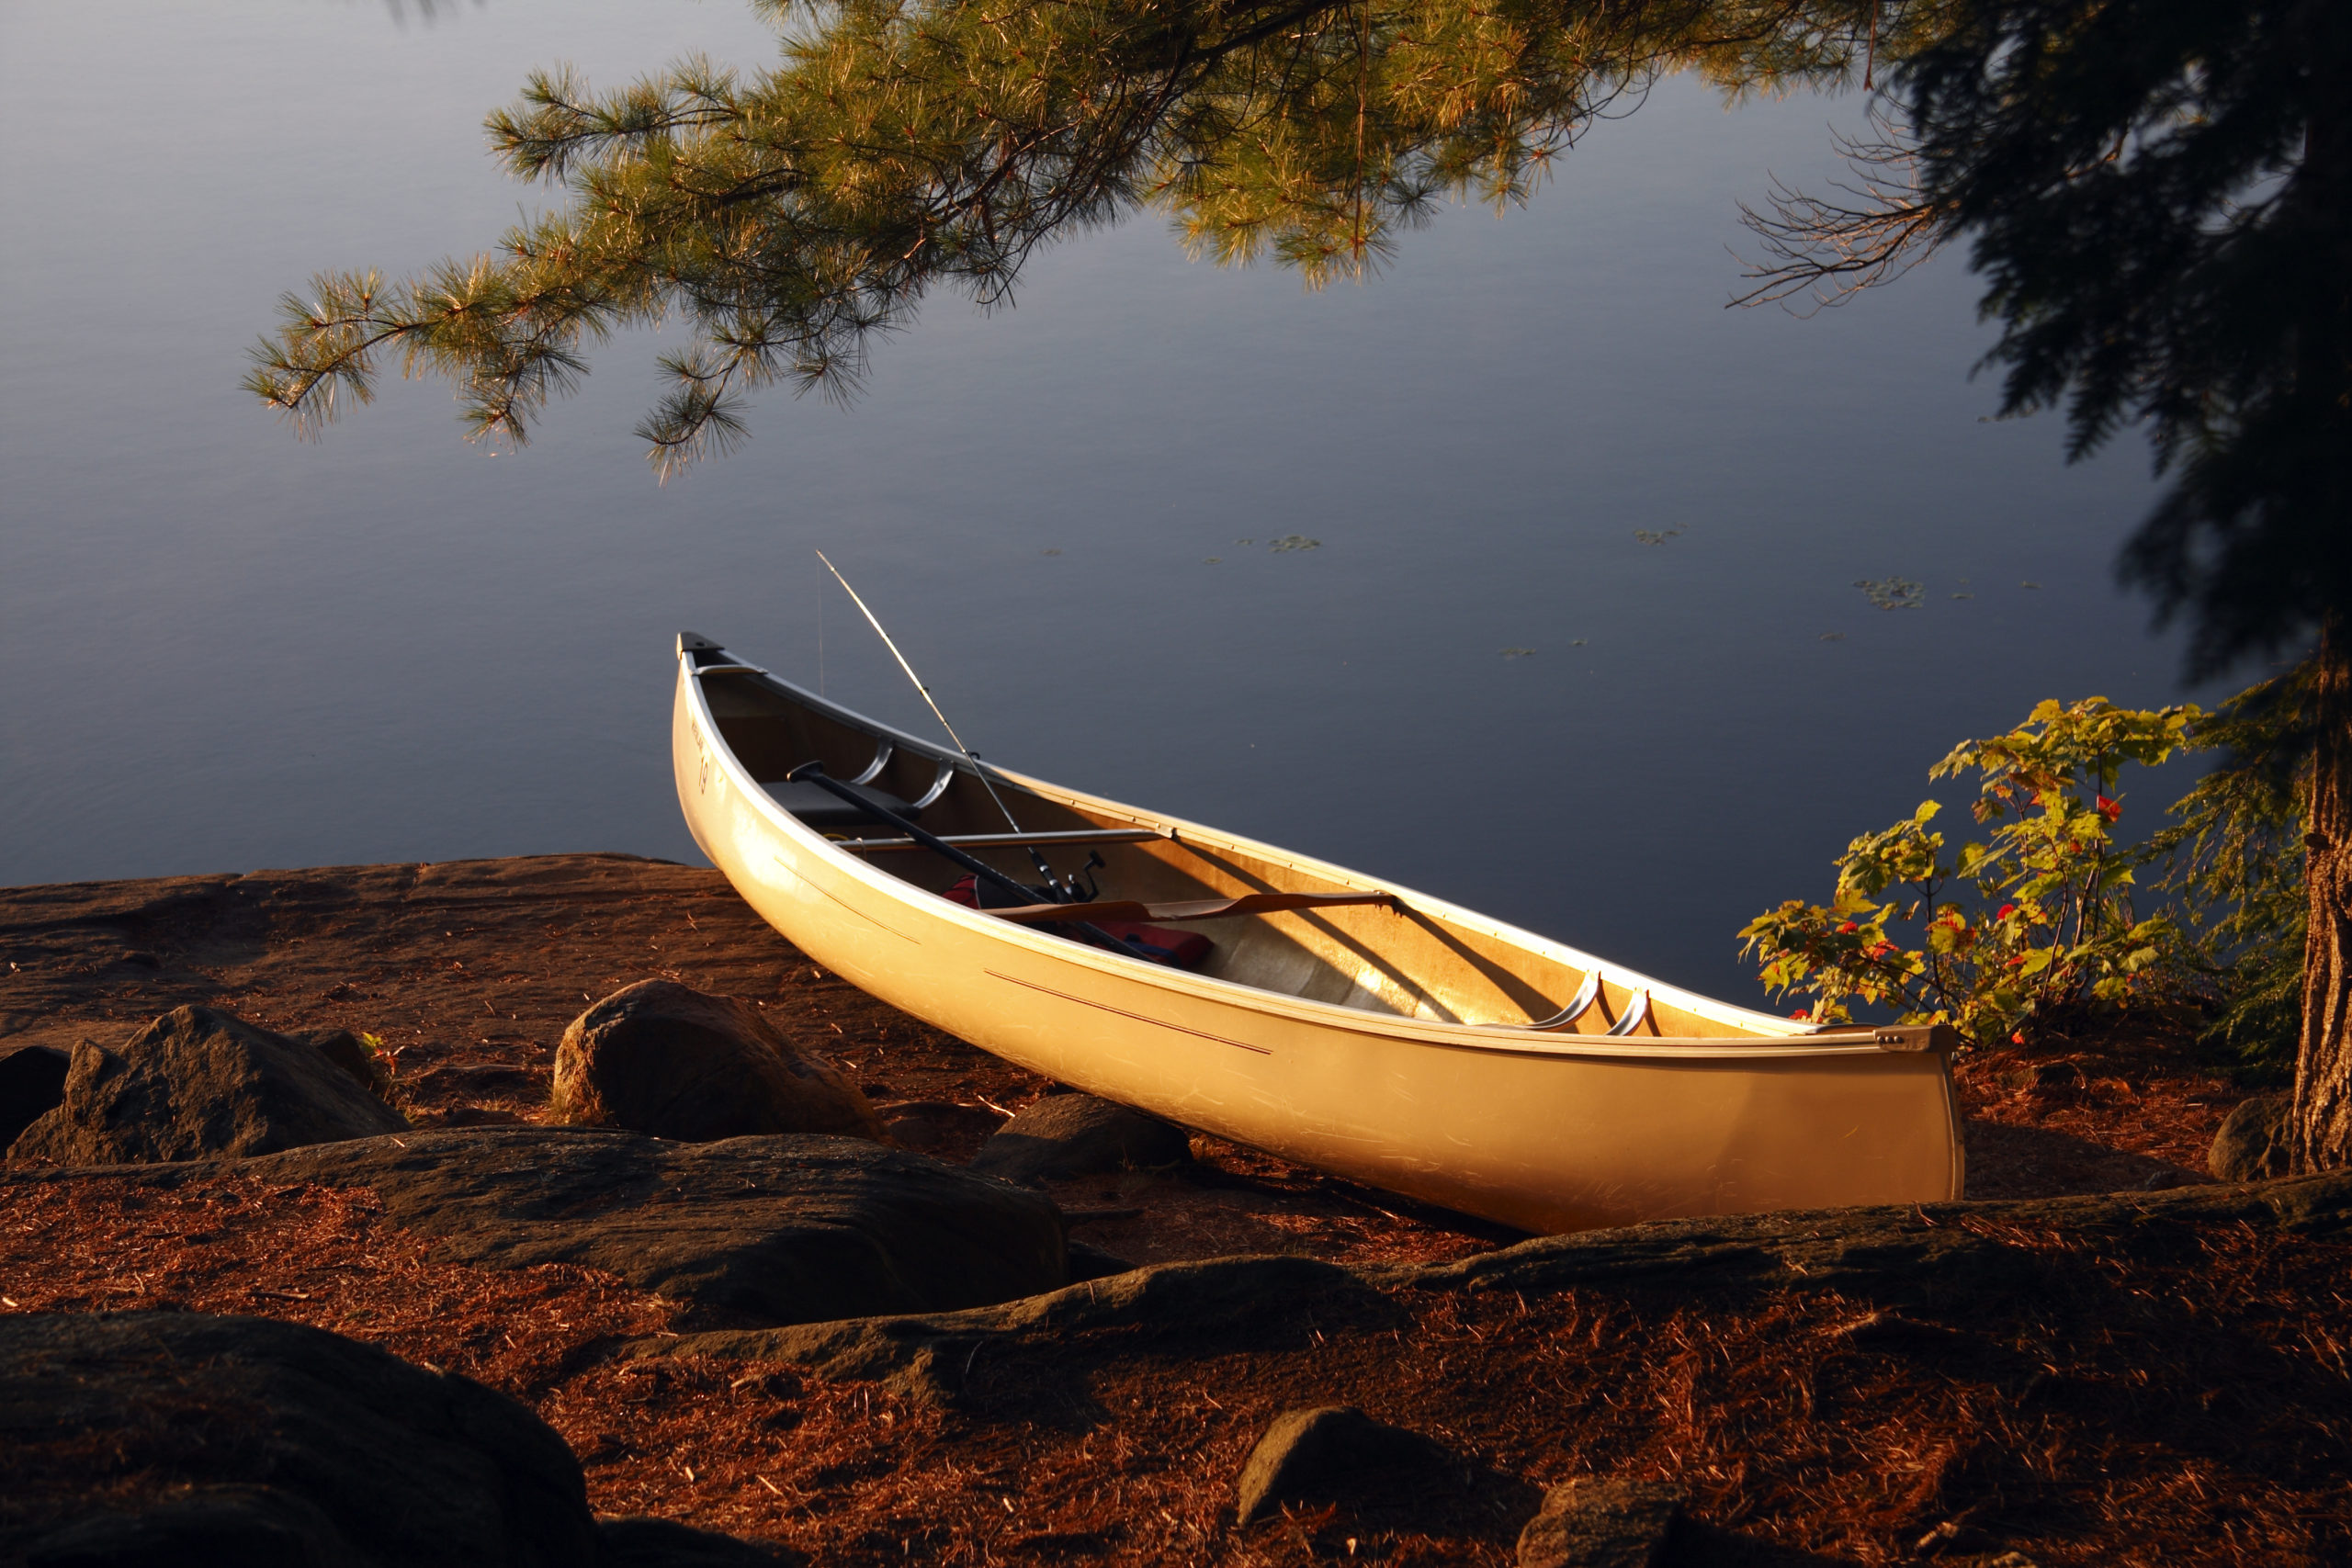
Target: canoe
x,y
1338,1021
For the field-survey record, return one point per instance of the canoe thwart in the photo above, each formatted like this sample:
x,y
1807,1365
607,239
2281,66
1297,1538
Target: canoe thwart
x,y
1006,840
1184,909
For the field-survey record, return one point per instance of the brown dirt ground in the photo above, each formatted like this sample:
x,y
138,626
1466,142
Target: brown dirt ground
x,y
2189,1412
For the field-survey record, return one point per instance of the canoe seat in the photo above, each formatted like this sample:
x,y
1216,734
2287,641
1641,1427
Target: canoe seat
x,y
822,809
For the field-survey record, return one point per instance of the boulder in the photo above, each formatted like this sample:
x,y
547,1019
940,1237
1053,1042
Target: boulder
x,y
663,1058
751,1231
164,1437
1077,1134
1338,1454
2253,1144
32,1083
939,1126
194,1083
1602,1524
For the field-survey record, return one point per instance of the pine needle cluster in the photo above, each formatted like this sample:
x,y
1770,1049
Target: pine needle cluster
x,y
791,215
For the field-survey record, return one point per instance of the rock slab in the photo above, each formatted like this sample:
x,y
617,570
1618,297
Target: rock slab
x,y
198,1083
663,1058
1077,1134
2254,1142
181,1437
1336,1454
753,1231
1602,1524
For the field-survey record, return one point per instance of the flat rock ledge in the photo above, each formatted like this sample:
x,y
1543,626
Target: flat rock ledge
x,y
782,1229
1892,1254
770,1230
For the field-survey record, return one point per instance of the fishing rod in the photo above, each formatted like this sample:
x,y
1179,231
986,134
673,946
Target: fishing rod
x,y
1036,858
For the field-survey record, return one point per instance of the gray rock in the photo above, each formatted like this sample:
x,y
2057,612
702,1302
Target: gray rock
x,y
1219,1305
938,1126
1077,1134
759,1231
2253,1144
1602,1524
32,1083
1336,1454
194,1083
663,1058
154,1438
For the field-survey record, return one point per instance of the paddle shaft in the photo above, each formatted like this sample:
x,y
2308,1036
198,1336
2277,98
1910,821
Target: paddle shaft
x,y
814,773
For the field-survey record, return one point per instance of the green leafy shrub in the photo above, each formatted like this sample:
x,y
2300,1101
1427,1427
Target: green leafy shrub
x,y
2039,914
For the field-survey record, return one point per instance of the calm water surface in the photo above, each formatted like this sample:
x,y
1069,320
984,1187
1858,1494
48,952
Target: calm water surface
x,y
221,648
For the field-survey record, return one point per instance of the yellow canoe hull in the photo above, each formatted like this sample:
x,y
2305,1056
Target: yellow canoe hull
x,y
1397,1083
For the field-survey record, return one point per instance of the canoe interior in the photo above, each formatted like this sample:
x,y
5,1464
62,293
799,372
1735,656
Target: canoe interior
x,y
1410,964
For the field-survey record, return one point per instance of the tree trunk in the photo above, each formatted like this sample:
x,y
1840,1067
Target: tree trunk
x,y
2321,1120
2321,1123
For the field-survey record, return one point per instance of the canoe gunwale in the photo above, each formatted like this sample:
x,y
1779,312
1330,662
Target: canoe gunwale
x,y
1777,1039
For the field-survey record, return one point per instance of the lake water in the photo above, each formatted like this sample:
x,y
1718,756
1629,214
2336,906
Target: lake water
x,y
225,650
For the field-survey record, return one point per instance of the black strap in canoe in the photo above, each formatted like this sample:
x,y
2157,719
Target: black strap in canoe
x,y
814,773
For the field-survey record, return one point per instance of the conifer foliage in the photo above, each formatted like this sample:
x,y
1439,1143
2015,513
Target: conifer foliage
x,y
2159,193
791,214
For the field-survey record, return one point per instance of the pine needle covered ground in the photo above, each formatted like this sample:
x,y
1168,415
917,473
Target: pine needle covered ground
x,y
2180,1396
